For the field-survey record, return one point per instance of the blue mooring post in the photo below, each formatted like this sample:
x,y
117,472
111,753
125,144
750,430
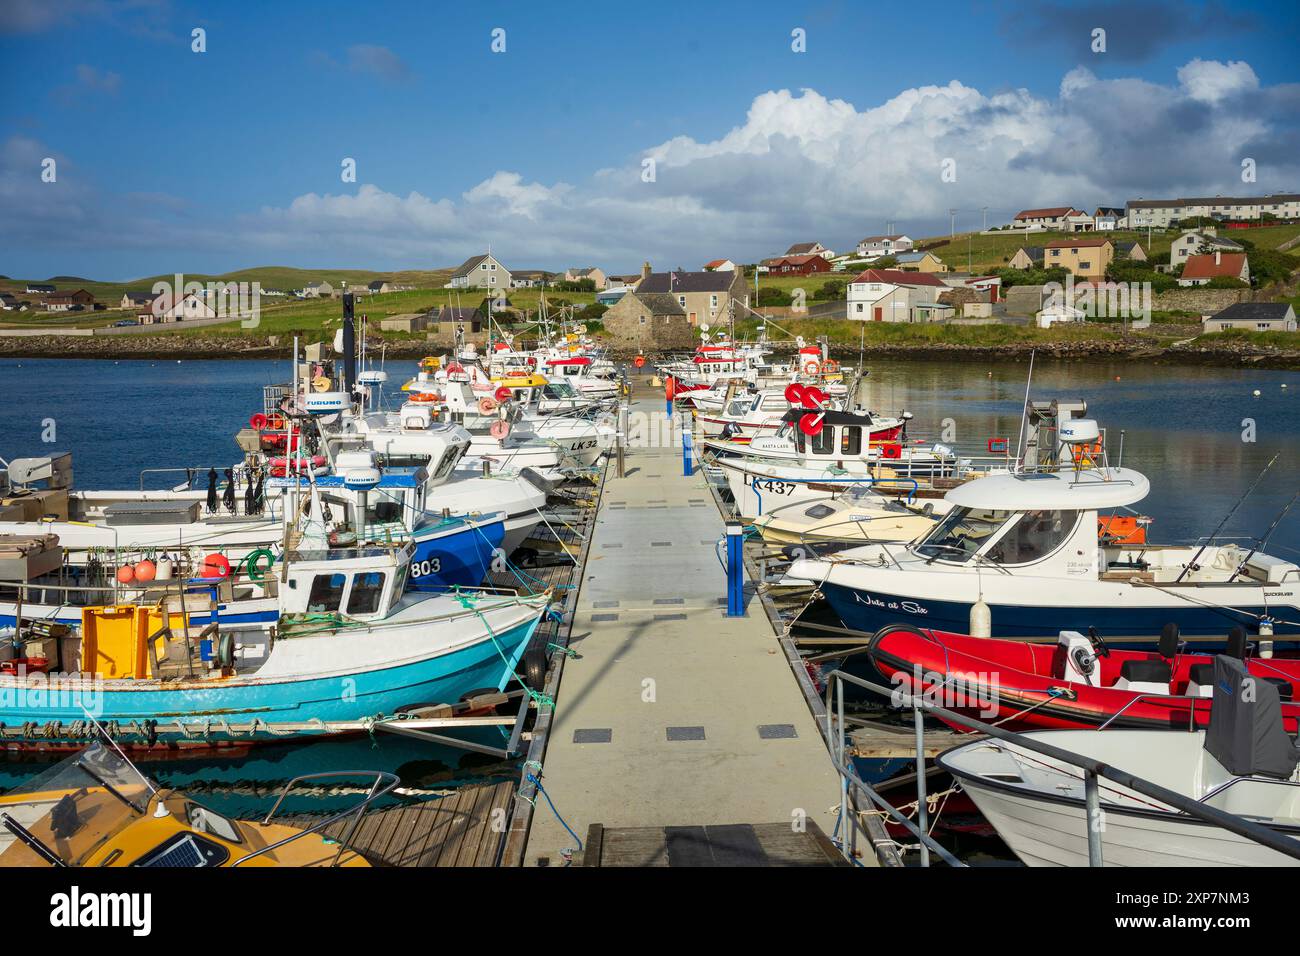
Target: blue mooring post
x,y
735,570
688,447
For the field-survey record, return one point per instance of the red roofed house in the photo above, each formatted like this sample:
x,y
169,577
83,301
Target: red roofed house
x,y
720,265
798,265
1056,217
891,295
1201,269
1085,258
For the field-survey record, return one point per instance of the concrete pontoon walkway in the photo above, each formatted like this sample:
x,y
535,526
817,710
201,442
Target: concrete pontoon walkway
x,y
673,714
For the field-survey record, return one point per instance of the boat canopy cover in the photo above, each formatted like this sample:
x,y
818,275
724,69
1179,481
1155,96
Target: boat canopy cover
x,y
1246,733
829,417
1058,490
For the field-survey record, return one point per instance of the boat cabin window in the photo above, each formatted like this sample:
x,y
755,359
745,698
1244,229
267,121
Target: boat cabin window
x,y
449,458
851,440
820,511
823,443
739,407
961,534
558,390
383,507
206,821
367,589
1034,536
326,593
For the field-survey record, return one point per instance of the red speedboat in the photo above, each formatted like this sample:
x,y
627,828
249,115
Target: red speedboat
x,y
1076,683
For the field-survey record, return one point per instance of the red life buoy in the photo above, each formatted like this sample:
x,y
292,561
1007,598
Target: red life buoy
x,y
499,430
639,361
258,421
891,450
503,394
794,393
811,424
813,397
487,405
215,566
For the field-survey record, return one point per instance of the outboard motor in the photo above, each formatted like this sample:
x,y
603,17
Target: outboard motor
x,y
1076,661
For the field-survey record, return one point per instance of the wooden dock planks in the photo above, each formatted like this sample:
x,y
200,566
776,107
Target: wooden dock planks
x,y
459,829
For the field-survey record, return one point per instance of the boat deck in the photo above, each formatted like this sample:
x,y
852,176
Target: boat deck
x,y
671,714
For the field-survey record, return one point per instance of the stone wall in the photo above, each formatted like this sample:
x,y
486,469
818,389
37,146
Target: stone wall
x,y
1204,301
625,328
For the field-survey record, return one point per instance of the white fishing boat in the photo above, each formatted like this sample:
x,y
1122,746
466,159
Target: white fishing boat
x,y
858,516
1244,764
1025,547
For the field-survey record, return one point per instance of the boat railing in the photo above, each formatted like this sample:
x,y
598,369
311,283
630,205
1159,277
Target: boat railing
x,y
1093,771
383,784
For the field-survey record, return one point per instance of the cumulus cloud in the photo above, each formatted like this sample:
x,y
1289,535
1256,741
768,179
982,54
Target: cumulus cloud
x,y
800,165
89,81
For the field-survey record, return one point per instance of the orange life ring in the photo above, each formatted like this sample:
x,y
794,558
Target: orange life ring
x,y
813,368
276,422
832,366
215,566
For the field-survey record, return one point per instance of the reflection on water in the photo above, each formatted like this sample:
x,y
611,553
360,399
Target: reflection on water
x,y
1181,426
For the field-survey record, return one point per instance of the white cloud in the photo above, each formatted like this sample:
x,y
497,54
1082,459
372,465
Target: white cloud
x,y
804,166
1211,81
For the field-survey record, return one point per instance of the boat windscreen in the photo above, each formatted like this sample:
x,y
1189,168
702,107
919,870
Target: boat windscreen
x,y
961,534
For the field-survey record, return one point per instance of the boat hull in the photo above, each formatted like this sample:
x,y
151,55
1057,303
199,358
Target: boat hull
x,y
1125,622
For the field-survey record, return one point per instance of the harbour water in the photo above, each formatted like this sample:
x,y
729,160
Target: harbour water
x,y
1200,434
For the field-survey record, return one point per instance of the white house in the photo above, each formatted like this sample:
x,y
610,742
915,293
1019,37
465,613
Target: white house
x,y
720,265
480,272
1191,242
875,246
189,308
1253,317
890,295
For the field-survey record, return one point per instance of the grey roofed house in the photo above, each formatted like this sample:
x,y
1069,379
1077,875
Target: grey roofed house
x,y
138,297
459,313
659,303
39,287
466,267
803,248
1255,312
681,281
377,285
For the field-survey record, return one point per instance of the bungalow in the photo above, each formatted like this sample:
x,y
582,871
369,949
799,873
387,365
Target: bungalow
x,y
920,262
874,246
73,301
720,265
1253,317
1200,269
318,290
136,300
1079,221
380,287
1084,258
890,295
1194,241
480,272
810,249
798,265
1052,217
595,275
8,302
189,308
40,287
1027,257
704,296
528,279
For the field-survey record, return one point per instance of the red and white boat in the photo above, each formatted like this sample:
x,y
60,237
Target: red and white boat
x,y
1076,683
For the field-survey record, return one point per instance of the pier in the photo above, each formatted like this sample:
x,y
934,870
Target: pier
x,y
679,735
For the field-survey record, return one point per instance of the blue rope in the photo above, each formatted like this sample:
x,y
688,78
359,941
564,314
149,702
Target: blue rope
x,y
532,778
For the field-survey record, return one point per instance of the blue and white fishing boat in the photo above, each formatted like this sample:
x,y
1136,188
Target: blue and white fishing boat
x,y
351,644
1024,555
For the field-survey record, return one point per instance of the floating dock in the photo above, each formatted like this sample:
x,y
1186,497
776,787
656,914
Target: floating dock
x,y
674,724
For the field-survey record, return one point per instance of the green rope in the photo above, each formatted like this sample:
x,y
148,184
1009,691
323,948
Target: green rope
x,y
468,602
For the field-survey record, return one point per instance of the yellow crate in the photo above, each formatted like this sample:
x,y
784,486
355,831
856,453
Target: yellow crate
x,y
114,639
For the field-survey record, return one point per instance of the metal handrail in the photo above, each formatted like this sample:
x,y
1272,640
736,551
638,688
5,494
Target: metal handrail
x,y
1092,769
389,780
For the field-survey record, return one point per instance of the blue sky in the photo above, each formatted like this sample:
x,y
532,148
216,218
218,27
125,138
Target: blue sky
x,y
173,160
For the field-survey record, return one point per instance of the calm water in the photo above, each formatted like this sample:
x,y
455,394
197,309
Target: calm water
x,y
1182,427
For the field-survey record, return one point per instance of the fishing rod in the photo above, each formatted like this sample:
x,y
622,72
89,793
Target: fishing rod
x,y
1255,484
1263,542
